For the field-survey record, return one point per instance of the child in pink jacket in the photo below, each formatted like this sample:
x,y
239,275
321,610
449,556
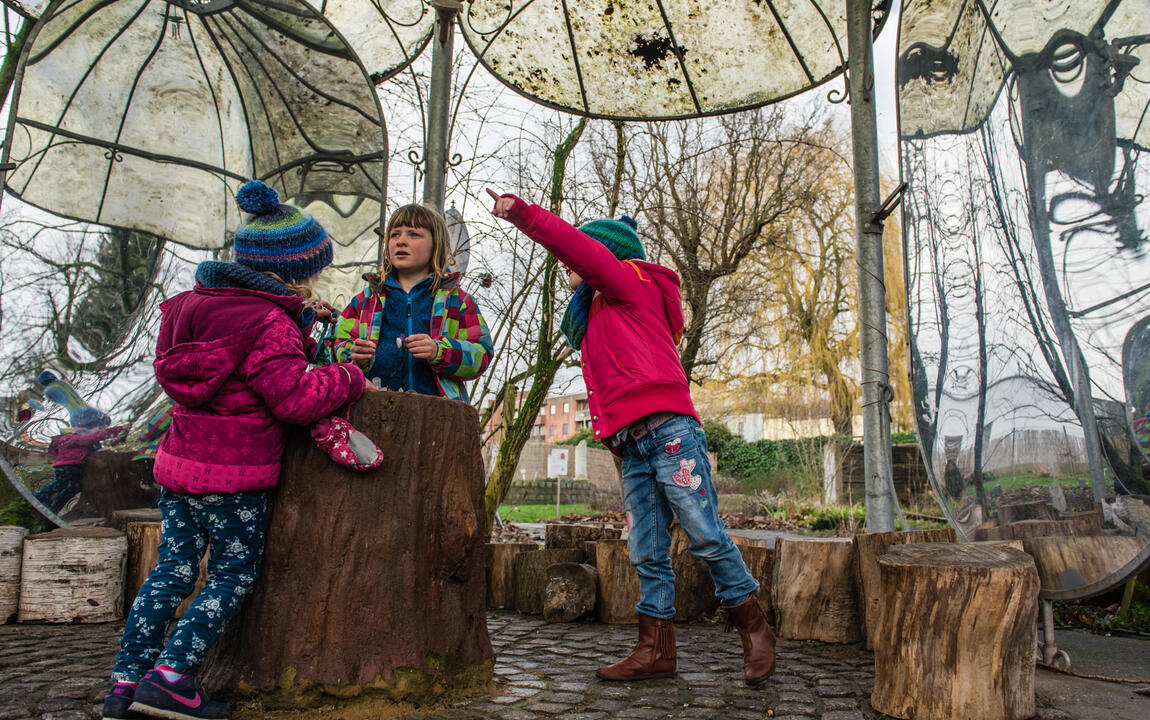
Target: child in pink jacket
x,y
232,354
626,318
71,450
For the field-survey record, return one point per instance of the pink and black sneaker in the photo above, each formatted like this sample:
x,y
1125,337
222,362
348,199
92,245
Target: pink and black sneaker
x,y
182,699
117,702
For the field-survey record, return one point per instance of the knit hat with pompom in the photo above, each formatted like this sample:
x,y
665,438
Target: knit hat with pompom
x,y
279,238
619,236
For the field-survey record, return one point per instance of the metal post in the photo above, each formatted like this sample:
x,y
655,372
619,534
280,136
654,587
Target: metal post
x,y
872,292
439,104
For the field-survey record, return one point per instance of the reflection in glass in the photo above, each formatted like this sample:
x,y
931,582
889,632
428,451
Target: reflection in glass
x,y
1023,144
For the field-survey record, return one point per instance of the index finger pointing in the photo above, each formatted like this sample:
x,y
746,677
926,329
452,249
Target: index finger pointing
x,y
496,196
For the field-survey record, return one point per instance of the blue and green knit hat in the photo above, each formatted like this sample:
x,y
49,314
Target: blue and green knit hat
x,y
619,236
279,238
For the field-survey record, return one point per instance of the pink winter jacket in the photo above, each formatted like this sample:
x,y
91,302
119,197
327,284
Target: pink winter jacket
x,y
630,363
233,361
73,448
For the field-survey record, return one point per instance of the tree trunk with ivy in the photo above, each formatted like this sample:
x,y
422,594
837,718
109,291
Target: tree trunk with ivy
x,y
548,356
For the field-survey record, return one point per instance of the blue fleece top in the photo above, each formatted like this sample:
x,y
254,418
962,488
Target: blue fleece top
x,y
404,313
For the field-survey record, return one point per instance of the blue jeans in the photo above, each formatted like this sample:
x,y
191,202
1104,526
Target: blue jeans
x,y
234,526
666,471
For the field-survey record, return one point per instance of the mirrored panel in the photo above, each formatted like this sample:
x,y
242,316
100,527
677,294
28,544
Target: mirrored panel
x,y
1024,145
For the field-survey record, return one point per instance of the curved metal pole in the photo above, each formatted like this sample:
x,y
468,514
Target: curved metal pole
x,y
872,292
439,103
28,495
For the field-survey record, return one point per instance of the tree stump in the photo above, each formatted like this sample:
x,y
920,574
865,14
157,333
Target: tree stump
x,y
618,584
73,575
531,576
372,582
1071,525
1040,510
570,591
959,631
760,560
11,555
501,573
573,535
814,590
1075,563
869,548
143,554
694,589
121,518
113,482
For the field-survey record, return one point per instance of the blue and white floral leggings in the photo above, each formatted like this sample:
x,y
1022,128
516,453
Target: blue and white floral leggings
x,y
234,526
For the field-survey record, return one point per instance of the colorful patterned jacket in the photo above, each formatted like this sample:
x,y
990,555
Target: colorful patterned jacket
x,y
465,346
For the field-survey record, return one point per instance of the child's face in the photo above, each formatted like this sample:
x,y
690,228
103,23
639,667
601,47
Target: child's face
x,y
409,249
573,279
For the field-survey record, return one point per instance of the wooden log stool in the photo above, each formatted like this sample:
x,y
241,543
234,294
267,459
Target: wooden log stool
x,y
870,547
501,573
531,576
574,535
694,588
570,591
11,556
73,575
760,560
618,583
959,628
143,554
372,583
814,590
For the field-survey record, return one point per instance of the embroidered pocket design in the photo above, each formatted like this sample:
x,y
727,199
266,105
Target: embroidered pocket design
x,y
683,476
673,446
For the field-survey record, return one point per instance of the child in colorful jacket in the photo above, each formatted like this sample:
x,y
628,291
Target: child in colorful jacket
x,y
414,328
626,318
232,356
71,450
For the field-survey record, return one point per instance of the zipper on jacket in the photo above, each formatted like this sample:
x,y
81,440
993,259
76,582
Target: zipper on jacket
x,y
407,355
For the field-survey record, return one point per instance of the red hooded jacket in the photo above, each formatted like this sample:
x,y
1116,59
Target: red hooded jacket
x,y
234,362
630,361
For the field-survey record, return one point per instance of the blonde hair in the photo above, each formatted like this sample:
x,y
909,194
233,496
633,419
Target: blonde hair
x,y
304,288
424,218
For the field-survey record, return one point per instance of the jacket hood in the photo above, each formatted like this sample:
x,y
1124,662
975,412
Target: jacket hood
x,y
667,280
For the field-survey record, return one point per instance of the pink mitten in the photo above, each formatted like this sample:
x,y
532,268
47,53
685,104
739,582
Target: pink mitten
x,y
346,445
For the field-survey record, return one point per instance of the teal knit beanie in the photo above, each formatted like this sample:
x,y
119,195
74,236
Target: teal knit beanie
x,y
279,238
618,236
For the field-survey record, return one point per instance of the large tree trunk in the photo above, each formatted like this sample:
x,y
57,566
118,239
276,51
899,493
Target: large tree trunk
x,y
372,582
814,590
959,632
872,546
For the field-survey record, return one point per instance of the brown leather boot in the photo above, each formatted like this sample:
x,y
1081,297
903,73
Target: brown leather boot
x,y
653,656
758,640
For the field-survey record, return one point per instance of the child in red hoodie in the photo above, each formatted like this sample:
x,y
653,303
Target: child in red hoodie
x,y
626,318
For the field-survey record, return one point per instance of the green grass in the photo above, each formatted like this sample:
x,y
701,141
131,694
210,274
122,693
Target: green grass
x,y
1031,480
538,513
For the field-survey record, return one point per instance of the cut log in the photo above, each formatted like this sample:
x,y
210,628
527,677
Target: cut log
x,y
73,575
1079,524
959,631
760,561
373,582
570,592
1041,510
742,540
11,555
112,481
143,553
1074,563
814,589
121,518
501,573
694,589
869,548
531,576
568,535
618,583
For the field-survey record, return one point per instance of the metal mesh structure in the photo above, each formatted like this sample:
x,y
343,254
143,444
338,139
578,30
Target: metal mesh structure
x,y
662,59
1023,143
386,34
148,115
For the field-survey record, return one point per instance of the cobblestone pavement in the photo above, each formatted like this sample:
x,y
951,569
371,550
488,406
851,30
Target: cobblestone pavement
x,y
52,672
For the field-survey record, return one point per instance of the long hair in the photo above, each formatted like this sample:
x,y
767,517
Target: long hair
x,y
305,291
425,218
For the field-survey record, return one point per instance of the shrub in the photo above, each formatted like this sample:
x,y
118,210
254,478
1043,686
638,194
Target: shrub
x,y
580,436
